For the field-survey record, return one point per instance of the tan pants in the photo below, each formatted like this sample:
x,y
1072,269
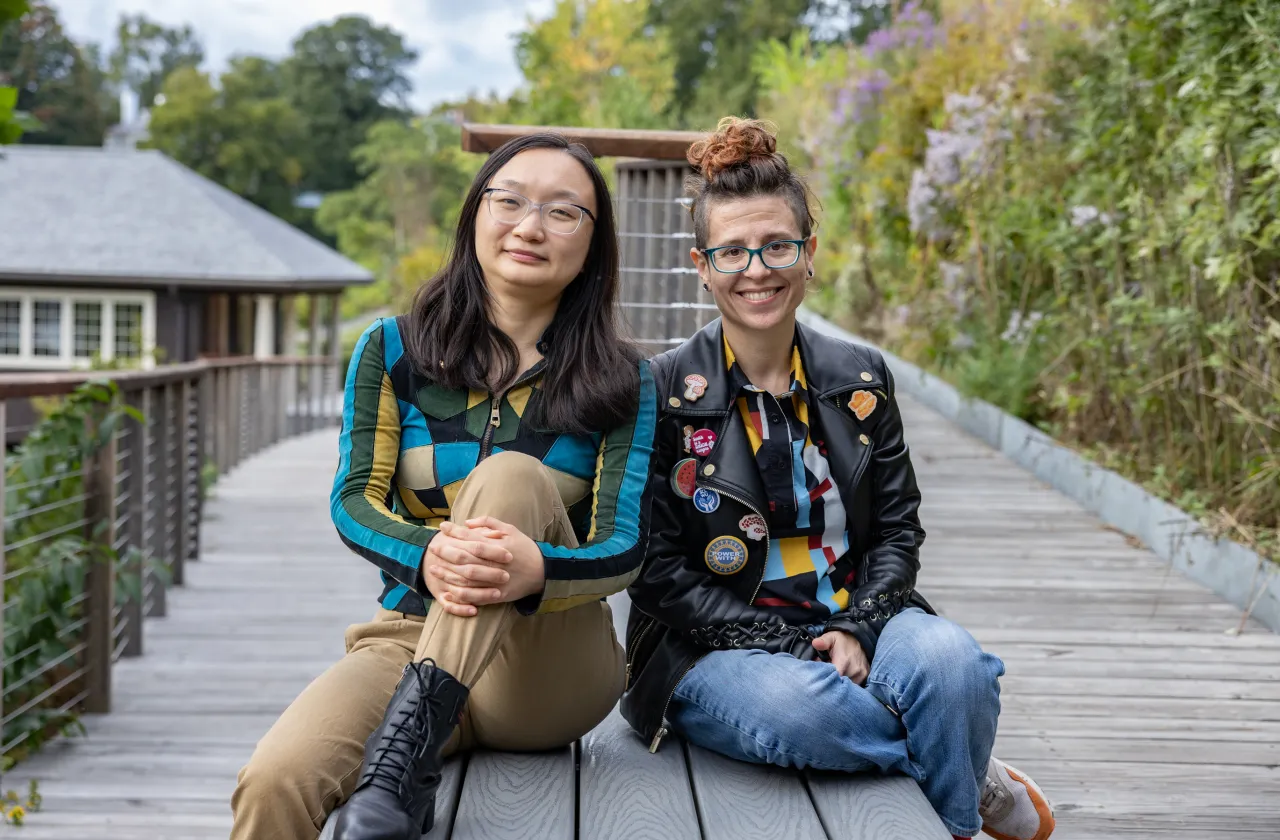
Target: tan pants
x,y
537,682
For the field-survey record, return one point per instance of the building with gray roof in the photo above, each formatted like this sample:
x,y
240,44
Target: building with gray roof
x,y
111,253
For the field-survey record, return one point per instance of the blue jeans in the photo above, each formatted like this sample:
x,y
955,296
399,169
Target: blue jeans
x,y
929,711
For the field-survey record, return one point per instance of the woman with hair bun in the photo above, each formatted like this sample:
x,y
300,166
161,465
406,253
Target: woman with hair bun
x,y
775,619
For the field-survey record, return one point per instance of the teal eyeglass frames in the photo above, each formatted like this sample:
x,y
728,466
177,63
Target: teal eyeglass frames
x,y
732,259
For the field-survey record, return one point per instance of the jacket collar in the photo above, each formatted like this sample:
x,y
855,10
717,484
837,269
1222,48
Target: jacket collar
x,y
830,367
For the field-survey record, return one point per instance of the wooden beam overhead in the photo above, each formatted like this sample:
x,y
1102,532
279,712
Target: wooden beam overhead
x,y
601,142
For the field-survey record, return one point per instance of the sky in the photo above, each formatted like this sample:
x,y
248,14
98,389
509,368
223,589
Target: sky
x,y
463,45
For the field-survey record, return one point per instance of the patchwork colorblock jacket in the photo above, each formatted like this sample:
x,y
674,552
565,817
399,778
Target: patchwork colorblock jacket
x,y
407,444
707,560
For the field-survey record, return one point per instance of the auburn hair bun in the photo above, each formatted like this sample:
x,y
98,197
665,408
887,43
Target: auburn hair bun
x,y
734,141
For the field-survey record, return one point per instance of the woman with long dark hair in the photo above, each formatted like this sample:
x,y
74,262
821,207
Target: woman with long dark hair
x,y
493,466
776,619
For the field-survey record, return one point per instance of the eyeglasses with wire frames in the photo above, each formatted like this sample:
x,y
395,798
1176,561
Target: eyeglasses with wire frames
x,y
510,208
733,259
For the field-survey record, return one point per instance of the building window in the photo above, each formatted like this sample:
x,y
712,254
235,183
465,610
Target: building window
x,y
87,335
50,329
10,327
128,333
46,329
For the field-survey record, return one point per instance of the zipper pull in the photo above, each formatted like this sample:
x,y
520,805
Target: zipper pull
x,y
495,413
657,739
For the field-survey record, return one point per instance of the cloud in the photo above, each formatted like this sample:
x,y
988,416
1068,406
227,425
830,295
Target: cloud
x,y
463,45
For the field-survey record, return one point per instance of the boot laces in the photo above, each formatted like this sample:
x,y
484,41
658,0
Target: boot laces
x,y
406,741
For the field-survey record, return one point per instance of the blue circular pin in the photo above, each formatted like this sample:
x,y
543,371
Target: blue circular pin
x,y
707,501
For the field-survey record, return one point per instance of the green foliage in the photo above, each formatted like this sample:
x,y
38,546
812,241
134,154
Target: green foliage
x,y
60,84
147,53
1068,210
594,64
342,78
10,129
14,808
398,220
243,134
48,551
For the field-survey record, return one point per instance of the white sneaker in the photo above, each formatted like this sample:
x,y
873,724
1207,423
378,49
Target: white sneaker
x,y
1012,806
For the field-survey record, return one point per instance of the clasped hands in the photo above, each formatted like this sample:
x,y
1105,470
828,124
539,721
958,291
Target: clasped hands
x,y
482,561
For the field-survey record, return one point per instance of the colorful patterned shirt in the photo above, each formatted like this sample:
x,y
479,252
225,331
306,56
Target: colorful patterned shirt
x,y
407,444
806,516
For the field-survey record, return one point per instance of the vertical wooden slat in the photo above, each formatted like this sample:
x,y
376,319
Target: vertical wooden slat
x,y
174,511
237,415
198,418
158,479
313,350
221,428
132,609
4,509
100,511
332,379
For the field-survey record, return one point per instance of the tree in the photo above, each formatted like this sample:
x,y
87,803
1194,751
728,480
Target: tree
x,y
147,53
242,133
10,129
342,78
715,43
398,219
58,84
595,63
414,178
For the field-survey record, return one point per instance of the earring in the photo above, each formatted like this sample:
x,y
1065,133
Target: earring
x,y
705,287
810,271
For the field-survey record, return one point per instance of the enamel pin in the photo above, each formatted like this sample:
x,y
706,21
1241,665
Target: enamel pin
x,y
706,501
862,403
726,555
688,439
753,525
695,386
684,478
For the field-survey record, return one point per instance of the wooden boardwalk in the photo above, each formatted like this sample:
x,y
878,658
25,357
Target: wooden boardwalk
x,y
1126,696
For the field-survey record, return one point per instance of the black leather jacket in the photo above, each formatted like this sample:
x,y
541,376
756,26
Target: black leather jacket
x,y
680,610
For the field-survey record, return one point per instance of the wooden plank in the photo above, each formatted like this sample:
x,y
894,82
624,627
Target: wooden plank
x,y
626,792
513,796
874,808
601,142
737,799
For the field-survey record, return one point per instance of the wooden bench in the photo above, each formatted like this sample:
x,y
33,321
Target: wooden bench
x,y
609,787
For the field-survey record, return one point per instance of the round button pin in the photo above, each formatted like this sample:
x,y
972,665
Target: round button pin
x,y
726,555
706,501
703,441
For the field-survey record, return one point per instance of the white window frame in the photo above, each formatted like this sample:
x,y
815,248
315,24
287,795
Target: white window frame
x,y
27,296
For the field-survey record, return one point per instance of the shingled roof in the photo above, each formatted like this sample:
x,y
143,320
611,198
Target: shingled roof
x,y
137,217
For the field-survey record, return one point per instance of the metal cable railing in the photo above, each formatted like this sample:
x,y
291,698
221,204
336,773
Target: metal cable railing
x,y
103,499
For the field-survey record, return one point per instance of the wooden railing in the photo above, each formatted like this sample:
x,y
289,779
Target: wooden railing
x,y
137,495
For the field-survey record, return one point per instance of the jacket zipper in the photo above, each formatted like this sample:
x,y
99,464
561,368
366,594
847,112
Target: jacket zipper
x,y
635,646
662,726
662,721
763,519
495,420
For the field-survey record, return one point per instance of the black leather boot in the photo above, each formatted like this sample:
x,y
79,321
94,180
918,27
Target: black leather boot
x,y
395,797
